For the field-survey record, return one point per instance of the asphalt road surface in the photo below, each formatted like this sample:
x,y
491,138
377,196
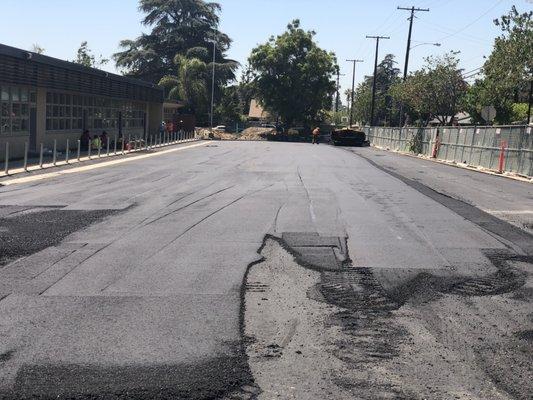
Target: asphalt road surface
x,y
135,280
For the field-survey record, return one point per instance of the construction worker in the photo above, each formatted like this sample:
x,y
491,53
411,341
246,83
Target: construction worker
x,y
316,135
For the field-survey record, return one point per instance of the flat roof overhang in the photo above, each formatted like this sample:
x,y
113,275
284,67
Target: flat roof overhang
x,y
23,67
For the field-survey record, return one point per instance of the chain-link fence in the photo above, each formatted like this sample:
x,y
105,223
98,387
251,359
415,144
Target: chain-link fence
x,y
476,146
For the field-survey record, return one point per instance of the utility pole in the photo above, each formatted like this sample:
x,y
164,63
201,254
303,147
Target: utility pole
x,y
338,88
411,19
413,9
213,85
353,89
375,73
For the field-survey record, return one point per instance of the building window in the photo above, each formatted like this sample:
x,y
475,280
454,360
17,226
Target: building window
x,y
132,115
15,109
63,112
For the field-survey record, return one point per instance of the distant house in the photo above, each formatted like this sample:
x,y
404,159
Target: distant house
x,y
257,112
461,118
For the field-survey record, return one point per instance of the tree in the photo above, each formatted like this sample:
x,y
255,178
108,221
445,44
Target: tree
x,y
508,70
189,84
36,48
184,27
229,110
435,91
87,59
386,112
362,101
293,77
192,80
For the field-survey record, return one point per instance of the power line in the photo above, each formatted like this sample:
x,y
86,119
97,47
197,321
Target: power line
x,y
473,22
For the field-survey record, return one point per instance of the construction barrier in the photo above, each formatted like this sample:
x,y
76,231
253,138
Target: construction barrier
x,y
501,148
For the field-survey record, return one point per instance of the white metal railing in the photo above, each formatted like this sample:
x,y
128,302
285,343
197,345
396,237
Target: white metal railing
x,y
120,146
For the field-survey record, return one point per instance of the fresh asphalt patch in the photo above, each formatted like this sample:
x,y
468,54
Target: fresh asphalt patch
x,y
210,380
28,230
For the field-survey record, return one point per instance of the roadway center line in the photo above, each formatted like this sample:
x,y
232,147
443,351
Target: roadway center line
x,y
94,166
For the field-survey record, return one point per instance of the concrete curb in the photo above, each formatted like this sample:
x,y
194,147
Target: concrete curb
x,y
94,158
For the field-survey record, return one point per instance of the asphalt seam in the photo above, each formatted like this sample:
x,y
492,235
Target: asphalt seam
x,y
504,231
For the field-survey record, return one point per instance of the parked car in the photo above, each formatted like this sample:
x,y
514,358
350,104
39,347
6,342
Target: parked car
x,y
220,128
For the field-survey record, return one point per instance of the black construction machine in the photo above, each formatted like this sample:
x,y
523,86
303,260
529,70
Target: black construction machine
x,y
348,137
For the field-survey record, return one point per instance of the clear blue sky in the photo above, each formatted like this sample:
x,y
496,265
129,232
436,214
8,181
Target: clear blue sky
x,y
341,25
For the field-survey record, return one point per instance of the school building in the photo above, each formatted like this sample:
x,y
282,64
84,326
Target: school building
x,y
43,99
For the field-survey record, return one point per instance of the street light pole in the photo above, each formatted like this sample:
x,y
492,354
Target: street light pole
x,y
213,86
373,104
337,99
353,89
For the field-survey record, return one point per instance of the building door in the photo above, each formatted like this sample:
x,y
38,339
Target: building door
x,y
85,120
120,123
33,129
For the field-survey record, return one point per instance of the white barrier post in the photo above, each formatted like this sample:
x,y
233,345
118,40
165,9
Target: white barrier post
x,y
26,156
6,160
54,154
41,156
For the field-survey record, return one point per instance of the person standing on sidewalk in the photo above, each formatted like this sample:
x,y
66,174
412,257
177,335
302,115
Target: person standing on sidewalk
x,y
316,135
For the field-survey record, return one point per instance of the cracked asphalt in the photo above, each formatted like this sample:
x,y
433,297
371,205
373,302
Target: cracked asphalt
x,y
127,281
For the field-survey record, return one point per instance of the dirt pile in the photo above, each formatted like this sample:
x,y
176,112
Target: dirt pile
x,y
256,133
253,133
203,133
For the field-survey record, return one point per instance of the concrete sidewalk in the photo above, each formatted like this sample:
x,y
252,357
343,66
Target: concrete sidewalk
x,y
16,167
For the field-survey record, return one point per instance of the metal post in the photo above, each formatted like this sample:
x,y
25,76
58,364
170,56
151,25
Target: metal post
x,y
529,101
115,145
99,148
129,143
67,148
41,156
79,150
26,156
107,146
6,160
213,86
54,154
89,149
